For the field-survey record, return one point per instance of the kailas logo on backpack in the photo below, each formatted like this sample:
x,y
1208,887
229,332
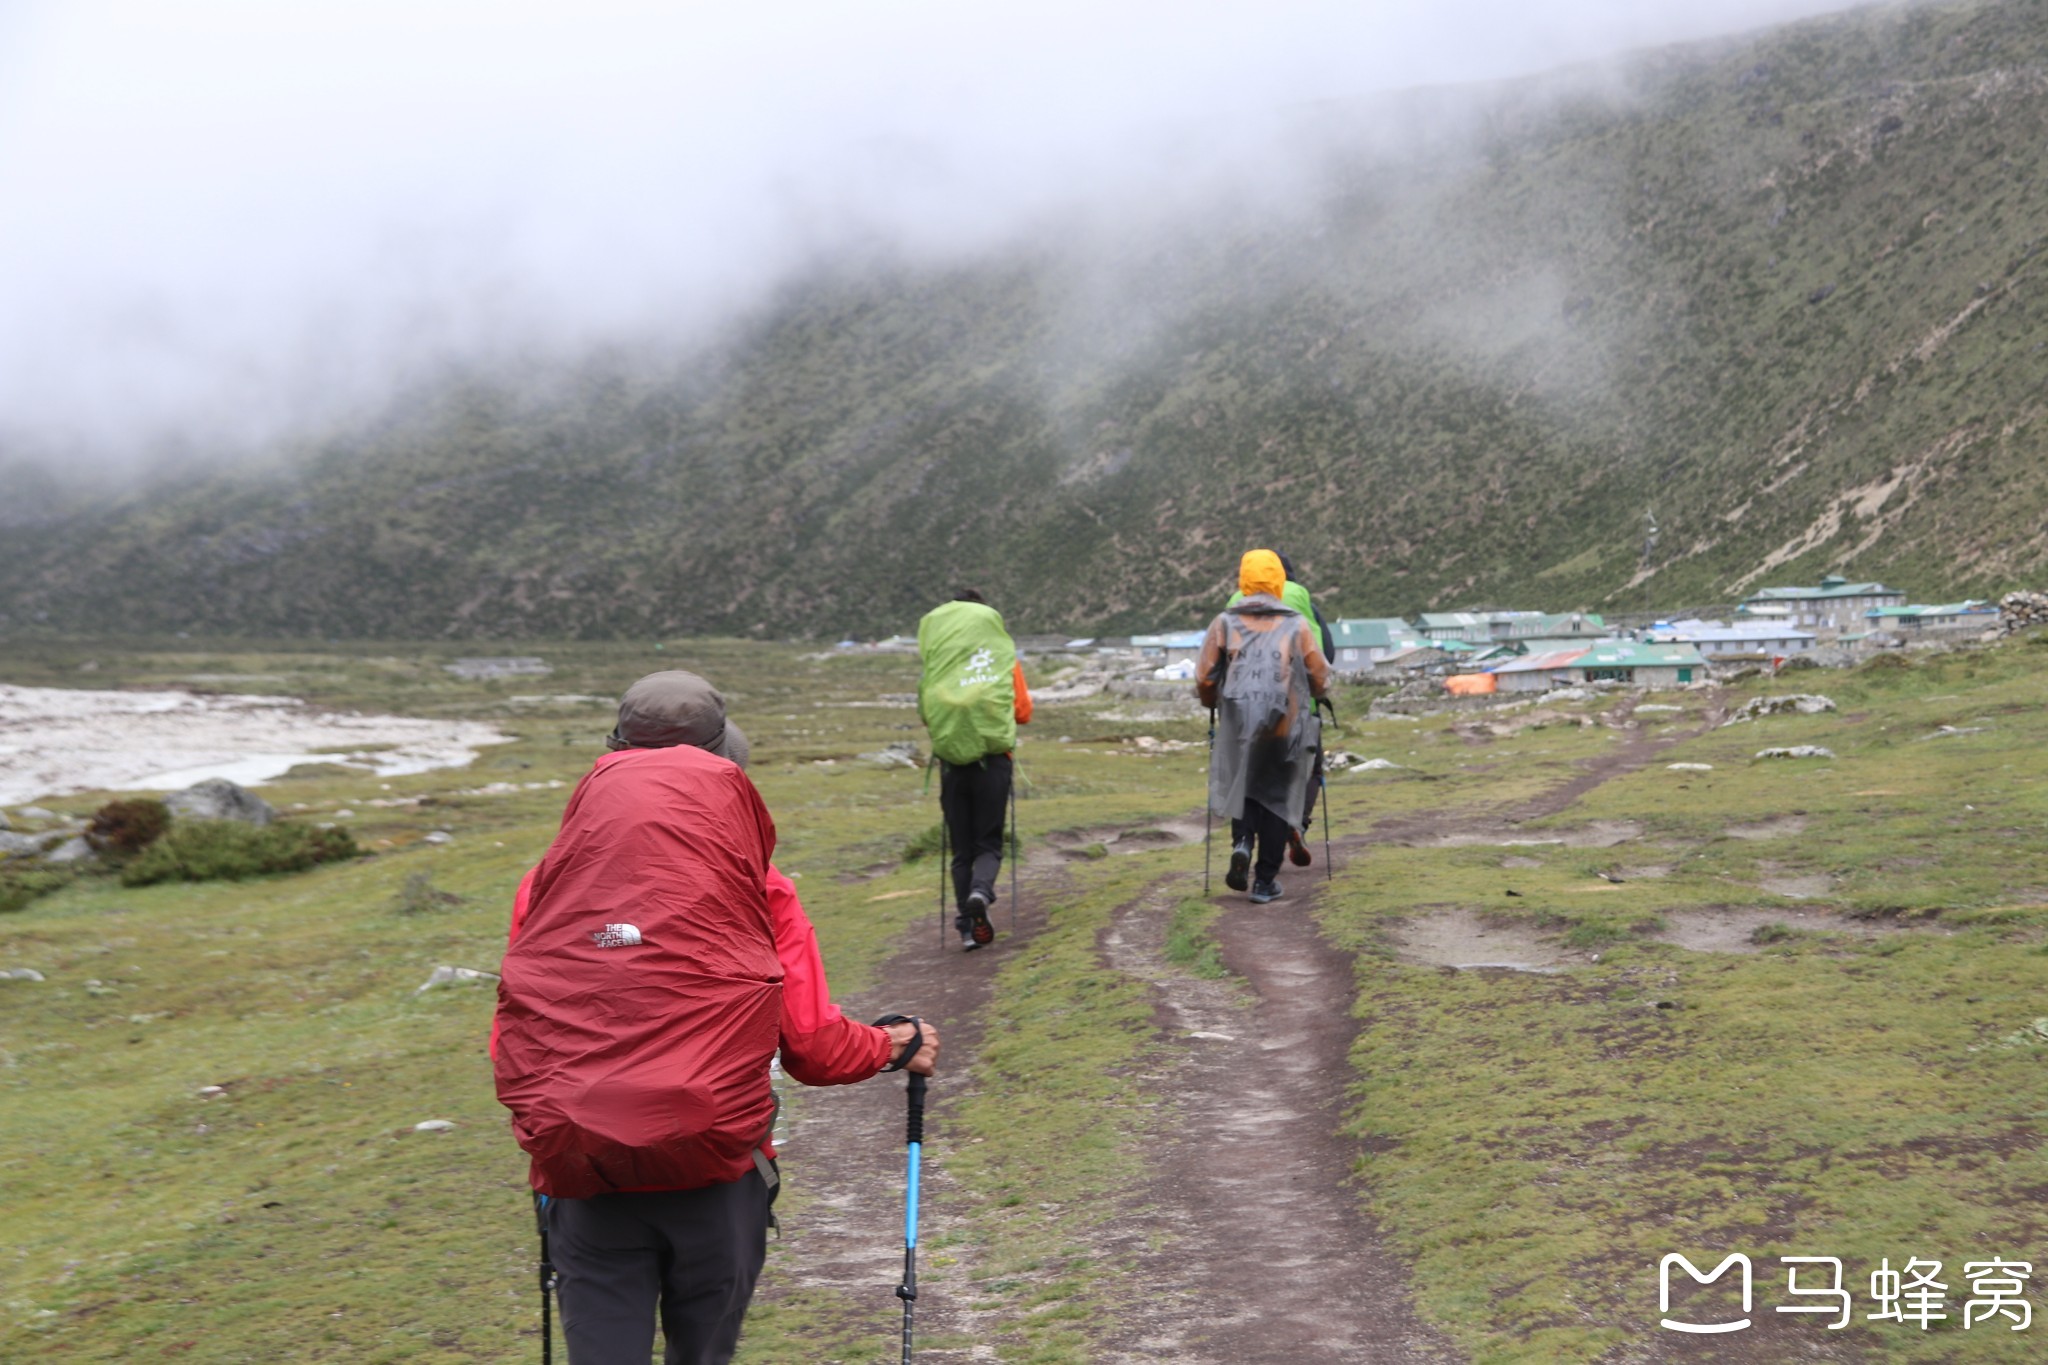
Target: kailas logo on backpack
x,y
967,694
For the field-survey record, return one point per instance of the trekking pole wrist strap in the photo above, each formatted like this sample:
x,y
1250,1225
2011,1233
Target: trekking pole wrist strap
x,y
910,1049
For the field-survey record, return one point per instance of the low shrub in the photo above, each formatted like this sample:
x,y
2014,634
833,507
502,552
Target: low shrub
x,y
227,850
18,888
123,828
924,844
420,896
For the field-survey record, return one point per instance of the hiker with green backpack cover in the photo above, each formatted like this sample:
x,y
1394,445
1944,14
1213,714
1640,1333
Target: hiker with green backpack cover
x,y
971,697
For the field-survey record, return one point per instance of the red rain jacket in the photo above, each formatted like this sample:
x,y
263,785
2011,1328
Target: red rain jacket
x,y
656,962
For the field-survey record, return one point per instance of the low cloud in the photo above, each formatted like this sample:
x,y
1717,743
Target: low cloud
x,y
225,219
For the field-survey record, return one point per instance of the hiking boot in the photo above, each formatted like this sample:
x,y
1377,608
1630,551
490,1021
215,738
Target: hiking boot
x,y
979,929
967,943
1265,891
1240,874
1297,851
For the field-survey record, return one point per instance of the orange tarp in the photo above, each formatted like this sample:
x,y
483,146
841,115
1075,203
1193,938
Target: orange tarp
x,y
1470,684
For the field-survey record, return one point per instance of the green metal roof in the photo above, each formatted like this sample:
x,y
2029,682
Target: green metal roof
x,y
1372,632
1628,654
1830,587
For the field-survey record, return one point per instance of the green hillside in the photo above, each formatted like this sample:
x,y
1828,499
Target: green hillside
x,y
1777,291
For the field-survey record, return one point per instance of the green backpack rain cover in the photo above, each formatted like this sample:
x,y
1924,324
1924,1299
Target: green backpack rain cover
x,y
967,694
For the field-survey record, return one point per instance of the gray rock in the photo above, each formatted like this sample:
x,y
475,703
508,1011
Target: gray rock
x,y
72,850
20,845
1797,751
454,976
1799,703
902,753
5,824
35,813
439,836
21,974
219,799
433,1126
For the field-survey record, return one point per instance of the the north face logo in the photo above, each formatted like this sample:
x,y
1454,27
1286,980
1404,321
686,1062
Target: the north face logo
x,y
616,936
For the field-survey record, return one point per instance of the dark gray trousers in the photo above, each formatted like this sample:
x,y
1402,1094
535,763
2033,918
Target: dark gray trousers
x,y
693,1255
975,802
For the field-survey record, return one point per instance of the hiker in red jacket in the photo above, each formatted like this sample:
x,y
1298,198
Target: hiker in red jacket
x,y
657,962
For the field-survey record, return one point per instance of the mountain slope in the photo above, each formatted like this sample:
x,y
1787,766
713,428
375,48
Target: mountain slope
x,y
1783,295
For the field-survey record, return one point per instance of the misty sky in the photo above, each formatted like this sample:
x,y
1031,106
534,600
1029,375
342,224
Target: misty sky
x,y
230,215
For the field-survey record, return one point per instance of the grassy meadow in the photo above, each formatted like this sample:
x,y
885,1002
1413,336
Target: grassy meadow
x,y
1859,1079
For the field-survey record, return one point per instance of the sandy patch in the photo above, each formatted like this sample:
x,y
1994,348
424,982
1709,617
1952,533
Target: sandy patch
x,y
55,741
1729,930
1599,834
1781,881
1469,941
1779,828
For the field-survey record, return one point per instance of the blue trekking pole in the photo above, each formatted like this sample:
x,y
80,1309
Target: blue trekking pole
x,y
907,1291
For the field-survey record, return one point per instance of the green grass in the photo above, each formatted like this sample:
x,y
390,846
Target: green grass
x,y
1189,943
1530,1144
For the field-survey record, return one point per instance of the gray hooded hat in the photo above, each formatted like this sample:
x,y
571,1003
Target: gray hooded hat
x,y
665,709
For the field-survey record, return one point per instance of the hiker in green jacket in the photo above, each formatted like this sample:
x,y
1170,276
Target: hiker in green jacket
x,y
971,697
1295,596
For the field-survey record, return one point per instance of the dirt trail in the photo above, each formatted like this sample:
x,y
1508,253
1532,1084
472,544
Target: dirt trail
x,y
1267,1255
845,1148
1248,1244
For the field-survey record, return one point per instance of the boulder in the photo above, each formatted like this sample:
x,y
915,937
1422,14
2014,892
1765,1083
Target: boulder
x,y
902,753
454,976
72,850
1797,751
20,845
36,813
1791,703
21,974
5,824
219,799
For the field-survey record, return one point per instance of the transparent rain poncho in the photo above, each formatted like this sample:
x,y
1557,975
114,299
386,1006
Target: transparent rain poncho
x,y
1266,727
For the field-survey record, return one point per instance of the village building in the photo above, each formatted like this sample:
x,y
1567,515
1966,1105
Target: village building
x,y
1636,665
1919,622
1362,642
1744,639
1170,648
1471,627
1836,605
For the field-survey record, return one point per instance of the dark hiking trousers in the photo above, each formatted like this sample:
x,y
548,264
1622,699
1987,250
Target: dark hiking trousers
x,y
1269,832
975,799
693,1255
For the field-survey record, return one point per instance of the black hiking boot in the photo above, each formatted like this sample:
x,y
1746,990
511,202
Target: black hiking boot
x,y
1240,874
1297,851
1265,891
979,929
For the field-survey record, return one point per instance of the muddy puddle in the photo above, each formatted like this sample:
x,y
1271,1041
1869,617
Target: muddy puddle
x,y
1781,827
1599,834
1083,845
1471,941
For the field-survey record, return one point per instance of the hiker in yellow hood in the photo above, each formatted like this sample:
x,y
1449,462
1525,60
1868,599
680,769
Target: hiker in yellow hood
x,y
1260,671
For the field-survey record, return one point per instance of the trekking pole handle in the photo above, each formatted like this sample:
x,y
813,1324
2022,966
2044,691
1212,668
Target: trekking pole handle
x,y
914,1128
